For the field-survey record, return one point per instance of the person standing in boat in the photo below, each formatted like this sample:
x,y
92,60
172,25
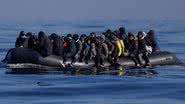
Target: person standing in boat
x,y
83,39
142,51
78,45
88,51
121,41
110,39
132,48
101,52
45,45
124,37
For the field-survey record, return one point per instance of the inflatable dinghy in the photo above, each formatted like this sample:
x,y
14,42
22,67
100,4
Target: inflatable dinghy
x,y
28,58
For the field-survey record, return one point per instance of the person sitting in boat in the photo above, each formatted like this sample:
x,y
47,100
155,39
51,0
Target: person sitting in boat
x,y
69,49
57,44
153,41
133,48
78,44
33,43
142,51
45,45
21,40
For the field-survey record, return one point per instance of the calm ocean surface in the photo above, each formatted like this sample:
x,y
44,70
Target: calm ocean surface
x,y
166,87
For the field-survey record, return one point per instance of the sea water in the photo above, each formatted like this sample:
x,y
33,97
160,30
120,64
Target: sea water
x,y
166,87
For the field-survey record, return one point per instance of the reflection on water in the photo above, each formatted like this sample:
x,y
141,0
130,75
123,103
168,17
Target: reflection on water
x,y
116,71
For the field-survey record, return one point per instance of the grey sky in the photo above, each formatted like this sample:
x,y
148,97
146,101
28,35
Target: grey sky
x,y
12,10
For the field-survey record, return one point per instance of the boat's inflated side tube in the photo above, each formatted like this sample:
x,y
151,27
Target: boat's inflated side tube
x,y
25,55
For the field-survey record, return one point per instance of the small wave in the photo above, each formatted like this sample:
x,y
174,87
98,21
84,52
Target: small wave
x,y
90,26
48,25
172,32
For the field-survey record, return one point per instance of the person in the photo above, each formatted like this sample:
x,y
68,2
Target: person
x,y
104,51
153,41
117,50
142,52
83,42
45,45
69,50
21,40
124,37
121,41
110,41
87,52
101,52
33,43
132,48
78,44
57,43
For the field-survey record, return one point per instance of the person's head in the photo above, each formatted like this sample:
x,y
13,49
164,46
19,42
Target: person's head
x,y
70,36
116,33
98,40
53,36
122,30
82,37
65,39
22,34
102,38
28,34
93,34
75,37
88,40
109,32
41,35
131,36
151,33
140,35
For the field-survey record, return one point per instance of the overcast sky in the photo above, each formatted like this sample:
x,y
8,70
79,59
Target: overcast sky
x,y
13,10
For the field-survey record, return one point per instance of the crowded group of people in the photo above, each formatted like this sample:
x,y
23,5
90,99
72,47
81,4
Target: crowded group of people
x,y
109,46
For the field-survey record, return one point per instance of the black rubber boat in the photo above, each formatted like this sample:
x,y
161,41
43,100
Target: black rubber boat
x,y
26,59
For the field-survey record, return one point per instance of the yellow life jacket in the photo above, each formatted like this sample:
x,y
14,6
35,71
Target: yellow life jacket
x,y
122,46
118,48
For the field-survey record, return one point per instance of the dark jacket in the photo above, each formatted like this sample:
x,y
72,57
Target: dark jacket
x,y
45,45
132,47
142,46
21,42
152,41
58,46
70,48
78,44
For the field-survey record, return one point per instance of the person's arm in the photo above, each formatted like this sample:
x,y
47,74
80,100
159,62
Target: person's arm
x,y
106,50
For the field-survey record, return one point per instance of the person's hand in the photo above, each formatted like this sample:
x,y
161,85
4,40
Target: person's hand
x,y
126,53
76,56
